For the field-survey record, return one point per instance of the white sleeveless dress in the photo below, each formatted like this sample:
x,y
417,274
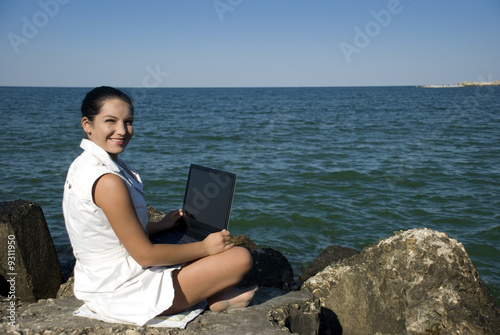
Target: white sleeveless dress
x,y
112,284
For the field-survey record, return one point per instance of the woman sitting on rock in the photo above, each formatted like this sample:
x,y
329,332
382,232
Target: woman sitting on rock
x,y
119,274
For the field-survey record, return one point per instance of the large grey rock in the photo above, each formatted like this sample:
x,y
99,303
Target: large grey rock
x,y
273,312
29,267
414,282
329,255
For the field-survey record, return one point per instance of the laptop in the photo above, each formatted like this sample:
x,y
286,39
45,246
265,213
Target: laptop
x,y
207,206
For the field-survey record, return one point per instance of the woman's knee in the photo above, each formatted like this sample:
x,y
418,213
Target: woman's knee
x,y
243,259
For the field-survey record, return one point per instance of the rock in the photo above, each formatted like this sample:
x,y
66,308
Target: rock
x,y
29,266
270,269
414,282
286,313
329,255
66,289
301,318
244,241
273,312
154,214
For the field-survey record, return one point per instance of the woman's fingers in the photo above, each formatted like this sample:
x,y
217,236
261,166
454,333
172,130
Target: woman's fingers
x,y
218,242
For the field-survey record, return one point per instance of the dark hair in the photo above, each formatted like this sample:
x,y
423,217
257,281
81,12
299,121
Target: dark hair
x,y
95,99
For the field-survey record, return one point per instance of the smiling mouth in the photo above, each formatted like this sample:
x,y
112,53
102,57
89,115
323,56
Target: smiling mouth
x,y
119,141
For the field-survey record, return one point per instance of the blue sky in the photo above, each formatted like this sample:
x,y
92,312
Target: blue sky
x,y
248,43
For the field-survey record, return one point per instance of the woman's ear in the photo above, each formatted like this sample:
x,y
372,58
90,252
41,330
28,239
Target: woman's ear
x,y
86,125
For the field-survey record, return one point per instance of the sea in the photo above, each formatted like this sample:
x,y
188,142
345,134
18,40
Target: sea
x,y
316,166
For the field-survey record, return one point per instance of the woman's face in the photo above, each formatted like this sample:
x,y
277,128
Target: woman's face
x,y
112,128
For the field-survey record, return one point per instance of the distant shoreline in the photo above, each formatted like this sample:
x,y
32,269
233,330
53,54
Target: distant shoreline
x,y
465,84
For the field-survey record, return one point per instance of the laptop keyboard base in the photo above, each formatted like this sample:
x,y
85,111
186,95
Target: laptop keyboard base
x,y
173,237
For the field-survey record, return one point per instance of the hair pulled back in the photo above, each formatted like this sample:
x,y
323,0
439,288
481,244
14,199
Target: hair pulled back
x,y
95,99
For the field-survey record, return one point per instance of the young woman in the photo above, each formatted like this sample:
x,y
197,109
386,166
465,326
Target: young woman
x,y
119,273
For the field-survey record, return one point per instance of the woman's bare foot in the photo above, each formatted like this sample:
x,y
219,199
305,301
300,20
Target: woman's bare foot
x,y
233,298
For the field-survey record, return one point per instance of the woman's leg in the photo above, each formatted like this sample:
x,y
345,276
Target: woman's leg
x,y
211,278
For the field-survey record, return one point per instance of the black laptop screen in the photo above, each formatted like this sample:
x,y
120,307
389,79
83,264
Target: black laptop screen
x,y
209,195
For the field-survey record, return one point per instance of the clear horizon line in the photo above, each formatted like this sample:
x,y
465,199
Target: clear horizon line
x,y
164,87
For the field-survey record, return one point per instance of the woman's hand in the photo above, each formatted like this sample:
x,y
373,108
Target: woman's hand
x,y
171,219
217,242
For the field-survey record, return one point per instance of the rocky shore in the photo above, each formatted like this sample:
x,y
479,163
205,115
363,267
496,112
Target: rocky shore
x,y
466,84
418,281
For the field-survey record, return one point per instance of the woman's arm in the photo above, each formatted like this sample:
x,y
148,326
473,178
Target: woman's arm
x,y
111,195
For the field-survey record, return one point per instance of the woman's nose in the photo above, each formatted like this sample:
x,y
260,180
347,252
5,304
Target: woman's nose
x,y
121,128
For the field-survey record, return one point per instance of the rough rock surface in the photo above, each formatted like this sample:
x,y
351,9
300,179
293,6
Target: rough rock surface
x,y
329,255
28,261
414,282
270,268
273,312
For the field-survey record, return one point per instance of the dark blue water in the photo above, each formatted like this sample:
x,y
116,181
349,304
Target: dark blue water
x,y
316,166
